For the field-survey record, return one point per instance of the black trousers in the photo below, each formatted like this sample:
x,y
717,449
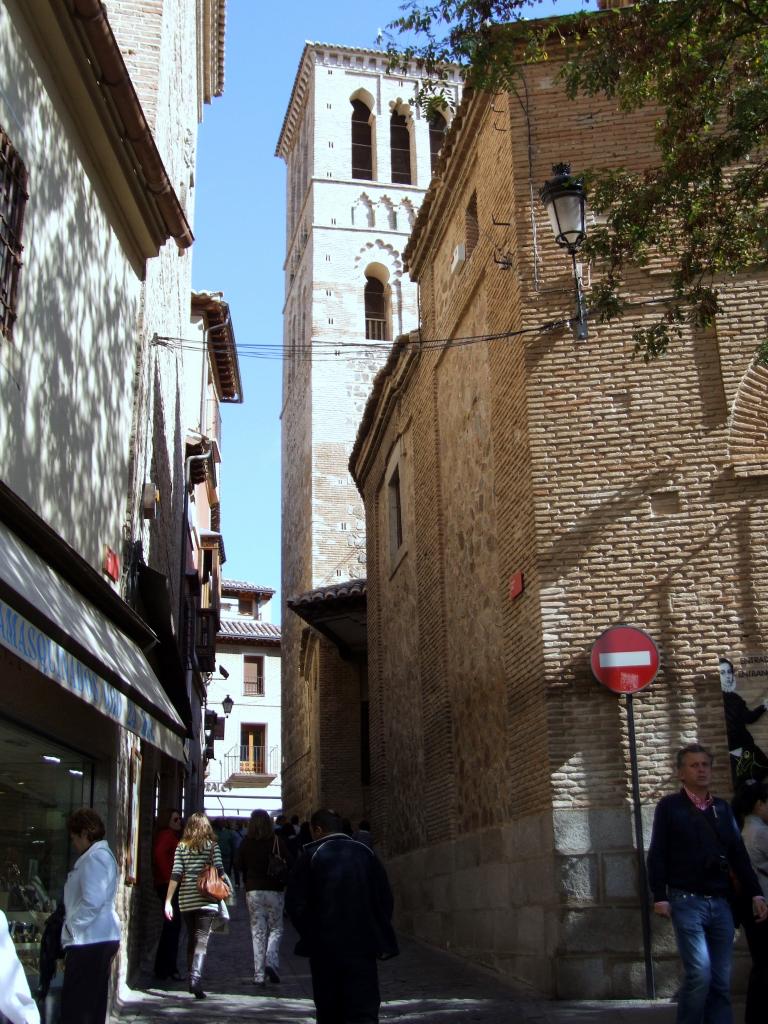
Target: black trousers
x,y
345,988
86,983
757,990
168,946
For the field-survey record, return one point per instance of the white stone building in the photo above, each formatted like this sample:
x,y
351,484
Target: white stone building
x,y
359,155
244,773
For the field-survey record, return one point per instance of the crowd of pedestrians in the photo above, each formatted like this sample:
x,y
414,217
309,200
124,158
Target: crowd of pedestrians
x,y
707,870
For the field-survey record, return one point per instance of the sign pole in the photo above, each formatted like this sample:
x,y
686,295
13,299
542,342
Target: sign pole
x,y
650,983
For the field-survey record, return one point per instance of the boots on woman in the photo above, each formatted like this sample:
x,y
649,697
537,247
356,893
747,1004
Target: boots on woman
x,y
195,976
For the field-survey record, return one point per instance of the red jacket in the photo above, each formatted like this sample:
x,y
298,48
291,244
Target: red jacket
x,y
163,850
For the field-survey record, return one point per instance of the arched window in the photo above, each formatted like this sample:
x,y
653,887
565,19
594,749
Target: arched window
x,y
438,126
376,325
400,149
362,142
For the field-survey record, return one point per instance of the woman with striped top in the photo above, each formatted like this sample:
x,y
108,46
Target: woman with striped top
x,y
197,849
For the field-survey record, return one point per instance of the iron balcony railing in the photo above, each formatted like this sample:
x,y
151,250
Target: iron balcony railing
x,y
244,760
375,330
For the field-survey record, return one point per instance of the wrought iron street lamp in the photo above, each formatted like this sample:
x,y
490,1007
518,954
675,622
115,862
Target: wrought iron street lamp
x,y
227,704
564,198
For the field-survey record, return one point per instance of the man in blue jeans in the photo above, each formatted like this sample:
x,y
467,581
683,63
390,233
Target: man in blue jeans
x,y
695,846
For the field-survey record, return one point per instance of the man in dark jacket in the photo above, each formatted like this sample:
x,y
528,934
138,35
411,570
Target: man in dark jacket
x,y
695,846
340,902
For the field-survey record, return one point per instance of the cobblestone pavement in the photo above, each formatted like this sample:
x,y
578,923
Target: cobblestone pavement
x,y
421,986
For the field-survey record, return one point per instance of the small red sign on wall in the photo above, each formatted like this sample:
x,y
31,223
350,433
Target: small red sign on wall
x,y
111,565
516,585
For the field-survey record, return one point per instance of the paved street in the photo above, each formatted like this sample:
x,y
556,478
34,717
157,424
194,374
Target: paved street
x,y
421,986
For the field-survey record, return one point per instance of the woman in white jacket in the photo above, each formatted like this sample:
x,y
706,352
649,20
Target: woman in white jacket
x,y
15,1001
91,933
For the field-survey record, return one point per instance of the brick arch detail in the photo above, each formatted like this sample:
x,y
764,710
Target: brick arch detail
x,y
748,423
379,251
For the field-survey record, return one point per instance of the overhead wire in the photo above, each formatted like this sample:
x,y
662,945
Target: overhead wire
x,y
331,350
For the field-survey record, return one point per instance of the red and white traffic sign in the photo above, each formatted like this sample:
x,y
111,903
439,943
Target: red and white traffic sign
x,y
624,659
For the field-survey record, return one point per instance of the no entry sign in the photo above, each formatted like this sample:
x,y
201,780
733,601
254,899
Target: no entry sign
x,y
624,659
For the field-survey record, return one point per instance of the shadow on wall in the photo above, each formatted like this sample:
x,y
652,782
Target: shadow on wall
x,y
67,396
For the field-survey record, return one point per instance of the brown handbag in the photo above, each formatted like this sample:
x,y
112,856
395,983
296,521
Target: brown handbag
x,y
209,883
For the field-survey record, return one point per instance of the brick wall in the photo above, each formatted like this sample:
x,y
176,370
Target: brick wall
x,y
608,483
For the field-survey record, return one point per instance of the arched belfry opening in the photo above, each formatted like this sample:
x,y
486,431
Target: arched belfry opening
x,y
377,303
400,148
438,126
362,139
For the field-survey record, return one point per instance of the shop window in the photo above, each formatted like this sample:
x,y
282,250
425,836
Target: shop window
x,y
13,199
253,675
41,783
362,141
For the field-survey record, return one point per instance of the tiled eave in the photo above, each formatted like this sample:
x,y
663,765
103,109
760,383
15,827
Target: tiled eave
x,y
85,62
339,613
214,36
221,344
243,587
247,631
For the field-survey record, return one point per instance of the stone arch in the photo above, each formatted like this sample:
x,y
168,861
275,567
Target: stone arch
x,y
365,97
747,430
409,211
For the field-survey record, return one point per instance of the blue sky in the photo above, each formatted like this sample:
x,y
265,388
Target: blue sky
x,y
240,243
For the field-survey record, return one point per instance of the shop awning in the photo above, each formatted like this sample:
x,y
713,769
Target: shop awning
x,y
47,623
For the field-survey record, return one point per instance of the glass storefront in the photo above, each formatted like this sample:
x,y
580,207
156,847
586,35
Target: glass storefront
x,y
41,783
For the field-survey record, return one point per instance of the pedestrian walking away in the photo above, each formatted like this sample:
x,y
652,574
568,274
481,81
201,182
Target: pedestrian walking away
x,y
196,850
751,808
695,845
163,850
263,895
91,932
340,902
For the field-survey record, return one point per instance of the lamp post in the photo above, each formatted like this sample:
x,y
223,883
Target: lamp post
x,y
227,704
564,198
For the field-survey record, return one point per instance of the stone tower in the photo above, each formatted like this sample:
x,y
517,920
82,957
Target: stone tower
x,y
359,155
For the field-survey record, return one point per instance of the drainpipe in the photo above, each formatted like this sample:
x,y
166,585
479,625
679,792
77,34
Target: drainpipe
x,y
184,533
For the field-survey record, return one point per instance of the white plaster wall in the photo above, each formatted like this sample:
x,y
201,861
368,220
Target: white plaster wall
x,y
264,710
337,228
65,379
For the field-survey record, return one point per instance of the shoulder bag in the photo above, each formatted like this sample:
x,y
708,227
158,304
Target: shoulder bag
x,y
277,867
209,883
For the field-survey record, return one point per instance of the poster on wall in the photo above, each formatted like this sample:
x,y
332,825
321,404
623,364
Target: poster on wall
x,y
744,683
132,847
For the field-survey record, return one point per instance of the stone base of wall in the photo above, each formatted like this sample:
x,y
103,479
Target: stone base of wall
x,y
487,897
551,902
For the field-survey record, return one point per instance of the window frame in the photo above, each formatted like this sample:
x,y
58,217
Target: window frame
x,y
260,681
14,195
